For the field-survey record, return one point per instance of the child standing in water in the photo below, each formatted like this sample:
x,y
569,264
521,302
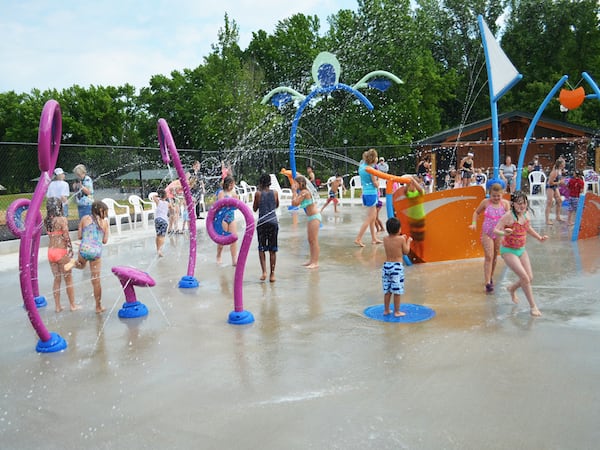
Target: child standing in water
x,y
161,219
229,225
575,187
93,232
60,251
266,201
396,245
514,227
303,198
493,208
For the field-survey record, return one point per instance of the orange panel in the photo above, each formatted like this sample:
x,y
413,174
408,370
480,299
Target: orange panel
x,y
590,219
446,224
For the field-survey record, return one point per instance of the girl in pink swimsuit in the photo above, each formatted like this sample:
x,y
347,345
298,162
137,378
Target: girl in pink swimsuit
x,y
493,208
60,250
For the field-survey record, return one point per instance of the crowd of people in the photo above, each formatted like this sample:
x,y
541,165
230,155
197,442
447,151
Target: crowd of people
x,y
504,227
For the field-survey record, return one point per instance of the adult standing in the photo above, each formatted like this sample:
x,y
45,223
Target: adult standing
x,y
197,188
59,188
466,170
369,196
382,166
552,193
84,191
507,173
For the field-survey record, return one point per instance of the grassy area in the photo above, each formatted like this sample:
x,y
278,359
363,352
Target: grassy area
x,y
6,200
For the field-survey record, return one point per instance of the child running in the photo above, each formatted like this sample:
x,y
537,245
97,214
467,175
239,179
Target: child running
x,y
266,201
396,245
493,208
93,232
60,251
514,226
333,192
161,220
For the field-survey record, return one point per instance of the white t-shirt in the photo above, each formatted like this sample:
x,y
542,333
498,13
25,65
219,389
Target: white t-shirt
x,y
58,188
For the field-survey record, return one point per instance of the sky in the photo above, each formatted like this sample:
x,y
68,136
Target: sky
x,y
48,45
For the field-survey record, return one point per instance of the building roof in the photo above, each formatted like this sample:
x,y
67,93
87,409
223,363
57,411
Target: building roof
x,y
515,116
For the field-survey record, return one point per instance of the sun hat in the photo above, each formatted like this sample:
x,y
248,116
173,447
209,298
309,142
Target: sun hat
x,y
58,171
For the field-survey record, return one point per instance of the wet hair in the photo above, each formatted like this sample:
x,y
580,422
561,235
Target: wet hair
x,y
54,209
99,209
264,181
228,182
515,197
370,156
301,180
496,187
392,225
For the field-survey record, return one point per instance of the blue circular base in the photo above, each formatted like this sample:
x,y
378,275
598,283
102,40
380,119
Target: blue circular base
x,y
54,344
240,318
40,301
130,310
414,313
188,281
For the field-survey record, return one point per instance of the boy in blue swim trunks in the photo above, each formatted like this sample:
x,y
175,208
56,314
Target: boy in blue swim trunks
x,y
396,245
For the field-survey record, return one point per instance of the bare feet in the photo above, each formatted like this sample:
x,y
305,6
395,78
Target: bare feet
x,y
386,312
399,314
160,254
75,307
263,277
571,224
58,309
535,312
359,243
306,263
272,278
219,261
313,266
100,309
559,219
377,241
549,222
513,294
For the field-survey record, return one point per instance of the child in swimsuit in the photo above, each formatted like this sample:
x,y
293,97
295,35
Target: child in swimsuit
x,y
514,227
396,245
60,251
493,208
302,198
228,224
266,202
552,192
93,233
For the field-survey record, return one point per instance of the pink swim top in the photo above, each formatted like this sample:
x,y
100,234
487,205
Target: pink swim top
x,y
491,216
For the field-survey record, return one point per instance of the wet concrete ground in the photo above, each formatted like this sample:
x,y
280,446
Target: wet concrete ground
x,y
312,371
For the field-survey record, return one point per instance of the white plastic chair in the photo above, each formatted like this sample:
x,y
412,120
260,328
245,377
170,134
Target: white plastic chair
x,y
117,217
537,178
284,193
250,190
139,209
588,184
354,185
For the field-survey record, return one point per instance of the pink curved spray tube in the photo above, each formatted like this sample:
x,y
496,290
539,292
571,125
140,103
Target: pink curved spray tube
x,y
226,239
168,150
49,137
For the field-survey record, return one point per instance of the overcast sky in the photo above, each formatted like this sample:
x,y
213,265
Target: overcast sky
x,y
58,44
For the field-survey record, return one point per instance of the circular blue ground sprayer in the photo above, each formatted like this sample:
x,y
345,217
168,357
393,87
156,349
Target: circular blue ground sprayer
x,y
414,313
